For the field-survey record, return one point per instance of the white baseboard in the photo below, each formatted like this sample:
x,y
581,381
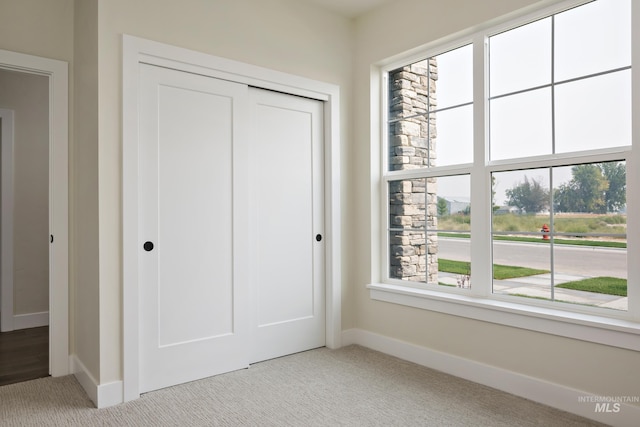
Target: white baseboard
x,y
103,395
30,320
537,390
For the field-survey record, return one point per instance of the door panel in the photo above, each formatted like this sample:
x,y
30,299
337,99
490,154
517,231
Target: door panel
x,y
286,205
193,291
195,206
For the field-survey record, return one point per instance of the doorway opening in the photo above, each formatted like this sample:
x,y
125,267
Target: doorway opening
x,y
34,318
24,311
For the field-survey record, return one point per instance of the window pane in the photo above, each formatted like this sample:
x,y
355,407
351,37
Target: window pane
x,y
578,249
521,269
454,84
409,143
407,227
521,125
454,261
594,113
590,255
435,209
453,249
453,143
453,203
407,256
409,90
521,225
520,58
522,200
416,93
592,38
588,275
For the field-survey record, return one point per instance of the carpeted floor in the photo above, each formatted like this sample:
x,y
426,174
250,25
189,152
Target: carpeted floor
x,y
352,386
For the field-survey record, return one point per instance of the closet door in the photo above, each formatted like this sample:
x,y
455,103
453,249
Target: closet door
x,y
194,301
287,252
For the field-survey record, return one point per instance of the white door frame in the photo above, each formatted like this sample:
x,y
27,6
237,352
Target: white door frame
x,y
6,223
136,51
58,74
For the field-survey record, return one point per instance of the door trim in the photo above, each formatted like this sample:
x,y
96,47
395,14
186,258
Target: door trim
x,y
136,51
58,74
6,223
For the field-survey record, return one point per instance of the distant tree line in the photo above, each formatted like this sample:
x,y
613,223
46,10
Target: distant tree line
x,y
593,188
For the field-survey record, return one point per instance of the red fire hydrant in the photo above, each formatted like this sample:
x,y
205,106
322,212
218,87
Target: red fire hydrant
x,y
545,230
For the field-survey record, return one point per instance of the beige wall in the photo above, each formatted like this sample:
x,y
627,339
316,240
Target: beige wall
x,y
284,35
28,96
584,366
37,27
84,226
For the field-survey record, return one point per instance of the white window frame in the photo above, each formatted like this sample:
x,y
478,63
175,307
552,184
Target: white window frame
x,y
604,326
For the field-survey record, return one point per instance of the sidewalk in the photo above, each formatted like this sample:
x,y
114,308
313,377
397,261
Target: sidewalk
x,y
539,286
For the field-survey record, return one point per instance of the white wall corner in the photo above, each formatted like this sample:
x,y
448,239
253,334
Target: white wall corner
x,y
30,320
102,395
555,395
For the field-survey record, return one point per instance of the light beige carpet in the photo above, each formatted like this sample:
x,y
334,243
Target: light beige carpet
x,y
352,386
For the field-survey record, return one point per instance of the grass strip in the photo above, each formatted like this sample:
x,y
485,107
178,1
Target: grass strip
x,y
500,272
455,267
599,243
600,285
504,272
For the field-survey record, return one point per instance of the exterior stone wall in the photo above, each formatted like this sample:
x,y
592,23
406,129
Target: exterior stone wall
x,y
413,202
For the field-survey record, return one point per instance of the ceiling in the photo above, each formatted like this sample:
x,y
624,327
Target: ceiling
x,y
349,8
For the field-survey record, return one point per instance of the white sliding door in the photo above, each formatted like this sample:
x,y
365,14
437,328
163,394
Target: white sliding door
x,y
194,305
287,224
231,226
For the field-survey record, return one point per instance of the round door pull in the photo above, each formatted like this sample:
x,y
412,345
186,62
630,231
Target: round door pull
x,y
318,237
148,246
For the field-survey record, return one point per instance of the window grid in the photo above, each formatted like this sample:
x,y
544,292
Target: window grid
x,y
489,167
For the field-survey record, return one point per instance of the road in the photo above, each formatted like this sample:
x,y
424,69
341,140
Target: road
x,y
580,260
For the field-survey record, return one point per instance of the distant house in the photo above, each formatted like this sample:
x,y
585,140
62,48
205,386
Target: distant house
x,y
503,210
457,204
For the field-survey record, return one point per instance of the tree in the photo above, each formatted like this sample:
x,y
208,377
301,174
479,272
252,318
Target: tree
x,y
564,199
616,195
493,193
585,192
443,208
529,195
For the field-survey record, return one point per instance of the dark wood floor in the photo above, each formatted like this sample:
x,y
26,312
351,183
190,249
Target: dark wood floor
x,y
24,355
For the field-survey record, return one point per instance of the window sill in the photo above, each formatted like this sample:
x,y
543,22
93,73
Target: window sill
x,y
586,327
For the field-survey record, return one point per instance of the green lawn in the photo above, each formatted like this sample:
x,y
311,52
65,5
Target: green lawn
x,y
503,272
500,272
456,267
600,285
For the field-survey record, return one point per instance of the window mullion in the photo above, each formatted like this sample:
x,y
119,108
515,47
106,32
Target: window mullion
x,y
480,176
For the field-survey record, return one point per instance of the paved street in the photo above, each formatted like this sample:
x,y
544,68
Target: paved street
x,y
575,260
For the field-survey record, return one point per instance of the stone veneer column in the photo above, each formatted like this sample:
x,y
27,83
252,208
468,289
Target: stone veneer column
x,y
413,202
